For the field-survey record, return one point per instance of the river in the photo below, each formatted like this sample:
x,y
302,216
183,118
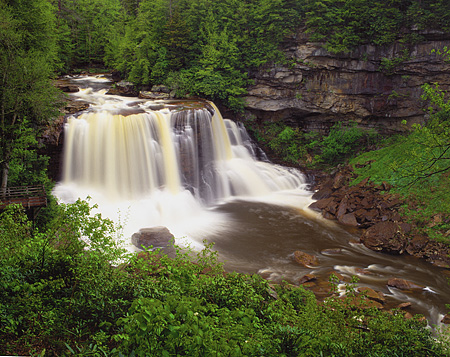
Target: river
x,y
181,165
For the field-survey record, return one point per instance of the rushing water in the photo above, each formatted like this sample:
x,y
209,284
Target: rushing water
x,y
182,166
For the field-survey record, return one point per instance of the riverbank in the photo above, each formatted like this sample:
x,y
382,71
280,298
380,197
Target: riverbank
x,y
377,214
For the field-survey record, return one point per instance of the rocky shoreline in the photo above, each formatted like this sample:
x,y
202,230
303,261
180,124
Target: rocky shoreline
x,y
375,213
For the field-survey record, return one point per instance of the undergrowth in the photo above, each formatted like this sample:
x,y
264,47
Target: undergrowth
x,y
72,290
313,150
417,166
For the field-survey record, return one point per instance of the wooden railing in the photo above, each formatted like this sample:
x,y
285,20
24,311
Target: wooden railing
x,y
27,196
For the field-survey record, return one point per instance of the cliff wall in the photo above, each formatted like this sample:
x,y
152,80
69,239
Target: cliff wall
x,y
373,85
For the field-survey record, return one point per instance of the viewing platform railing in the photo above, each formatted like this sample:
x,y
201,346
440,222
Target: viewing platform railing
x,y
27,196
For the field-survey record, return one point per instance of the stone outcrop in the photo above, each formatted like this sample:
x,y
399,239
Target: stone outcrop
x,y
377,86
305,259
66,87
123,88
375,213
156,237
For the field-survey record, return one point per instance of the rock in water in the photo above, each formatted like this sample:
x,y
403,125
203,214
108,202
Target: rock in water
x,y
305,259
156,237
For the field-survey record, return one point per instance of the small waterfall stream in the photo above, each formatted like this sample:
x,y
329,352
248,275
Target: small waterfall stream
x,y
182,166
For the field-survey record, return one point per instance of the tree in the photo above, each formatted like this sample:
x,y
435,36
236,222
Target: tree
x,y
27,57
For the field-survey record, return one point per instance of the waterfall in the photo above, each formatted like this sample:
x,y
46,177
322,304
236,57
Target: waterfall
x,y
171,164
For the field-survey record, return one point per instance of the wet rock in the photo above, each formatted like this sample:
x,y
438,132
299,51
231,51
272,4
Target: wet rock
x,y
385,236
67,88
156,237
331,251
305,259
307,278
361,302
337,275
403,284
375,211
123,88
372,294
404,305
446,319
153,95
363,271
408,316
320,288
321,204
75,106
440,264
348,219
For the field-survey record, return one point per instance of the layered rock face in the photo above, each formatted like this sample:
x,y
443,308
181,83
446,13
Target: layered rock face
x,y
376,86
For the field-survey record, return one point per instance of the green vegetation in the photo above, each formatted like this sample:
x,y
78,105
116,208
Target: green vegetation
x,y
28,101
417,166
69,289
207,47
201,47
311,149
343,24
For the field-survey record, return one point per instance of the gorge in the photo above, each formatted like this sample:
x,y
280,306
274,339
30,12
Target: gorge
x,y
178,164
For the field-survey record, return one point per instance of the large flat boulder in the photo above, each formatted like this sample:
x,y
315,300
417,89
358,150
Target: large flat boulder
x,y
155,237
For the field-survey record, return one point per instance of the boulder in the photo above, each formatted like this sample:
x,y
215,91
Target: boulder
x,y
403,284
371,294
348,219
404,305
67,88
123,88
156,237
75,106
161,89
385,236
305,259
307,278
446,319
153,95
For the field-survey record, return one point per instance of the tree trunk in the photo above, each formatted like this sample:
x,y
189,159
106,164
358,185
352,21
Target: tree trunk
x,y
5,171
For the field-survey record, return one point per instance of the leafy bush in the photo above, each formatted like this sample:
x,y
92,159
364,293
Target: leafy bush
x,y
417,167
342,142
58,297
314,150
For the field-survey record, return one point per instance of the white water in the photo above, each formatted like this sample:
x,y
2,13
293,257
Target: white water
x,y
153,163
166,167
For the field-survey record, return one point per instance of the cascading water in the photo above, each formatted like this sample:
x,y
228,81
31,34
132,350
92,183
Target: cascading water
x,y
180,165
170,164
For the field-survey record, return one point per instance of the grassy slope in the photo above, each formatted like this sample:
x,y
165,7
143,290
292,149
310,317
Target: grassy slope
x,y
428,199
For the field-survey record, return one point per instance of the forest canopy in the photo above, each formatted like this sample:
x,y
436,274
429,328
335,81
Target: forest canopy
x,y
208,47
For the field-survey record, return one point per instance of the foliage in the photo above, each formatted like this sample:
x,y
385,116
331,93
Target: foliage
x,y
202,47
388,65
84,29
28,101
343,24
343,142
293,146
418,167
63,294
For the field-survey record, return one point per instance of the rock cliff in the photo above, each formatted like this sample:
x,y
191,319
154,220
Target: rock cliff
x,y
375,86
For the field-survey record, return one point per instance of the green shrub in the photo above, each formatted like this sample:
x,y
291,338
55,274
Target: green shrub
x,y
342,142
60,296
